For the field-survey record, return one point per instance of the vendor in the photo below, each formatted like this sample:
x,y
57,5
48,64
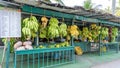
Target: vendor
x,y
105,40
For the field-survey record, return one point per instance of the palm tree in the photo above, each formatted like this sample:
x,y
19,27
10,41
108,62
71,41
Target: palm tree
x,y
108,10
117,11
47,1
88,4
58,1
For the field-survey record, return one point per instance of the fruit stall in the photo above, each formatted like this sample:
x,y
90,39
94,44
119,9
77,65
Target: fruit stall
x,y
50,33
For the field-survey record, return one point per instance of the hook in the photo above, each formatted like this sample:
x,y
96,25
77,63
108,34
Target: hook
x,y
53,14
63,19
44,12
73,20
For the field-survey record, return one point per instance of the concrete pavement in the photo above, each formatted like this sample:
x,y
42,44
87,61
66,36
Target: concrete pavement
x,y
112,64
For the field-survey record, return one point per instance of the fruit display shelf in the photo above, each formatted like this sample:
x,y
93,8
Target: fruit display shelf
x,y
45,57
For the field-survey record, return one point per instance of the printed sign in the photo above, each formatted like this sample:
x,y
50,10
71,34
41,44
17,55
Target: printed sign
x,y
10,24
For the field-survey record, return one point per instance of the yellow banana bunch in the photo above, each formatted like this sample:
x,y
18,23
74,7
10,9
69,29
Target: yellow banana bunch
x,y
73,30
44,21
85,33
93,26
68,37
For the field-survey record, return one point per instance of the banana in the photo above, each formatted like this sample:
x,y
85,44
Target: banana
x,y
30,25
73,31
25,20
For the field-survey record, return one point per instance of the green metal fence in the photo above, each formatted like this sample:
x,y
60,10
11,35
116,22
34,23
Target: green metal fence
x,y
42,58
96,48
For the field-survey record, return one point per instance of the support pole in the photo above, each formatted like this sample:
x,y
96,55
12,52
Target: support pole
x,y
72,39
37,39
8,53
100,53
113,6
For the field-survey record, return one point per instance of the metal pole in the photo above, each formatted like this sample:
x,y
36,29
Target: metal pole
x,y
37,39
8,53
113,6
100,52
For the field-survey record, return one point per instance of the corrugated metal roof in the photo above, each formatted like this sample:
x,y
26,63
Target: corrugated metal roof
x,y
78,10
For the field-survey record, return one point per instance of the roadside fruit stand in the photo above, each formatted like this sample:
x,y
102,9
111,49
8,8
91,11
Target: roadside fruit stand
x,y
55,30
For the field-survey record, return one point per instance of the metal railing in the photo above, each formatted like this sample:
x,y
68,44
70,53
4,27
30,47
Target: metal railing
x,y
42,58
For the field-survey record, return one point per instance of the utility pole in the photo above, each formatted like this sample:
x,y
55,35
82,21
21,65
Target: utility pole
x,y
113,6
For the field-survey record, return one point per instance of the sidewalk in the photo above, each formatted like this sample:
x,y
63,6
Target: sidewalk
x,y
112,64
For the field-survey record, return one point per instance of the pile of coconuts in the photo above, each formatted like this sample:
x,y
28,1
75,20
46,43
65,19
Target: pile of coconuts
x,y
26,45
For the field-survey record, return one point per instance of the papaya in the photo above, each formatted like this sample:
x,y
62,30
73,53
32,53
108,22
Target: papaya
x,y
78,50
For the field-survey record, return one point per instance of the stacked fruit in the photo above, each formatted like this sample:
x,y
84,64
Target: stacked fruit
x,y
58,45
114,33
30,26
73,31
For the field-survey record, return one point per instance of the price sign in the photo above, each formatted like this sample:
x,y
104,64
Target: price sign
x,y
10,24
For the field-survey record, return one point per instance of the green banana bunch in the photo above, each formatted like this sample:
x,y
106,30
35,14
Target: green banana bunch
x,y
43,33
31,23
4,40
114,33
85,33
26,31
53,21
53,28
63,30
12,41
53,32
104,32
30,26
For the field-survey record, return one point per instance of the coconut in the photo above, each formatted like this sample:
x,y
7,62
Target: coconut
x,y
27,43
17,44
29,47
20,48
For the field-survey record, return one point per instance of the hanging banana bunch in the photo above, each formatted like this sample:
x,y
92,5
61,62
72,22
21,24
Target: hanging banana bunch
x,y
85,33
43,32
95,31
26,31
114,33
44,21
73,31
53,28
63,30
30,26
104,32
